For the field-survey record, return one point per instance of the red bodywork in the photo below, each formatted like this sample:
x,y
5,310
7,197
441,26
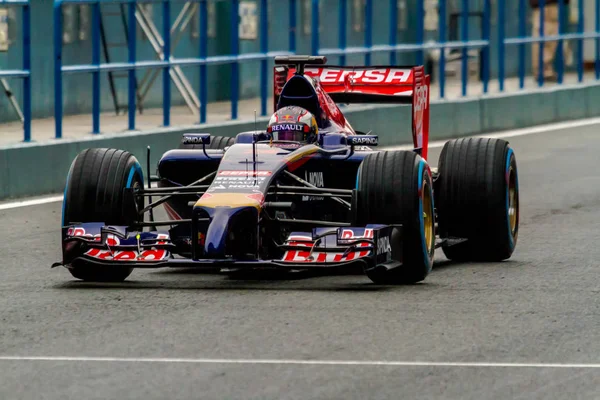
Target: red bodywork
x,y
366,85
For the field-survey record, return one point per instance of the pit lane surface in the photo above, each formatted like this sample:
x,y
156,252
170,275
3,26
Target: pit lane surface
x,y
539,307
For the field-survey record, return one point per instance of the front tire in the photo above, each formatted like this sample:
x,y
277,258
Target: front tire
x,y
94,193
478,199
395,187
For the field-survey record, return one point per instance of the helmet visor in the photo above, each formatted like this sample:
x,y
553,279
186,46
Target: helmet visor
x,y
292,136
289,132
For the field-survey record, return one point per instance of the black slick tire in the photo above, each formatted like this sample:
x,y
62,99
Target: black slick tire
x,y
395,188
94,193
477,195
216,143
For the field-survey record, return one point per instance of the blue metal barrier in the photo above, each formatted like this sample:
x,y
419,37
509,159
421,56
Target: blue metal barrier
x,y
25,72
203,55
442,39
597,25
166,9
561,37
342,25
133,64
235,57
315,27
368,29
416,46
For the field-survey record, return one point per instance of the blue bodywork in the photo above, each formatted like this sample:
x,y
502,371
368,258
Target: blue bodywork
x,y
239,234
256,202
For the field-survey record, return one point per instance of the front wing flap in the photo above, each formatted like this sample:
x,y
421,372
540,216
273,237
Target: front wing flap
x,y
340,245
114,244
322,248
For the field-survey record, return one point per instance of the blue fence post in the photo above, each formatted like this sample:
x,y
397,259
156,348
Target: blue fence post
x,y
464,50
522,33
167,58
342,22
486,49
235,51
393,28
501,37
292,23
58,97
131,103
420,30
96,63
203,55
442,39
264,48
26,12
368,30
315,27
560,53
580,29
597,28
541,47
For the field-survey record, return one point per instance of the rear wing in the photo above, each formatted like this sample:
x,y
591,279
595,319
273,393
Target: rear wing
x,y
367,85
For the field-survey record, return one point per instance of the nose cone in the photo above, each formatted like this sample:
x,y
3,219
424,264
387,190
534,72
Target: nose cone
x,y
232,232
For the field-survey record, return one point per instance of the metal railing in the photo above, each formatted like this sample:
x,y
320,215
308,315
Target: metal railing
x,y
166,63
523,39
418,47
25,72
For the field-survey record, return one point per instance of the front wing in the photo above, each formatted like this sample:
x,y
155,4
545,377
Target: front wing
x,y
117,246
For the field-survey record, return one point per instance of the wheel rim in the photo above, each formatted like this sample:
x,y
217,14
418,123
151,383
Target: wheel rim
x,y
428,226
513,203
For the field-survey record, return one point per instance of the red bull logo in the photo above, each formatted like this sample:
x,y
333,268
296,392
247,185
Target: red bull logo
x,y
127,255
321,257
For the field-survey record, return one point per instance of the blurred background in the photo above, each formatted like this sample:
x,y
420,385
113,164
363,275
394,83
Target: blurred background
x,y
221,52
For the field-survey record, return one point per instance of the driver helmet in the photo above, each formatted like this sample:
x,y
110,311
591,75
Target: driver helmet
x,y
293,124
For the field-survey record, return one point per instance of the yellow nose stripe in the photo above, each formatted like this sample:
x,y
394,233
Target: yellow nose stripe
x,y
233,200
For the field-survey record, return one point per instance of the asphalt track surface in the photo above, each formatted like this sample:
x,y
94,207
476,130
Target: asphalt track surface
x,y
539,307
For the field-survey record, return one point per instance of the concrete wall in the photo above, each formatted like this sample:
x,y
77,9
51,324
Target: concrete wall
x,y
41,168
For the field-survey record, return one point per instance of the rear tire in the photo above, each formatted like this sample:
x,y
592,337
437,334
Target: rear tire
x,y
216,143
478,199
94,193
395,187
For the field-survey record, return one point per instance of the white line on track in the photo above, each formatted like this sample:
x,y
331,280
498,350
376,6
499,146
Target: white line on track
x,y
435,144
517,132
34,202
298,362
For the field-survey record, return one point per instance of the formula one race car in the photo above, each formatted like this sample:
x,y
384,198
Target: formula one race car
x,y
307,192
